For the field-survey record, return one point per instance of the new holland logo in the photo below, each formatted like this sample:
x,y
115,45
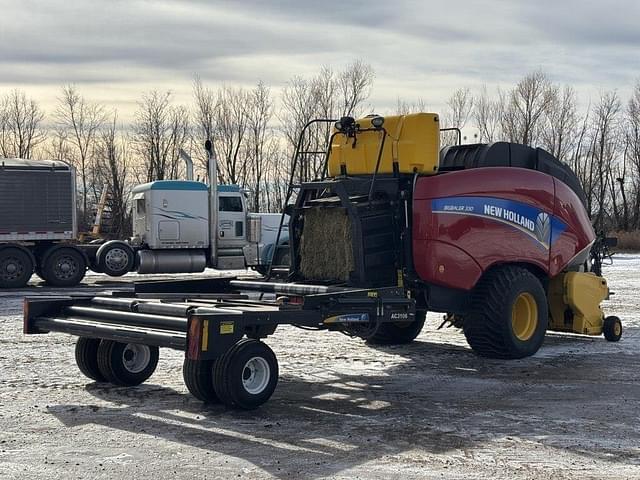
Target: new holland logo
x,y
542,229
538,225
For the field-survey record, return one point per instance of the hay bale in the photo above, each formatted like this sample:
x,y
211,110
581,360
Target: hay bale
x,y
326,244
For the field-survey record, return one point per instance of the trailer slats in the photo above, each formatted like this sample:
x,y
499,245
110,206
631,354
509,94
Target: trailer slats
x,y
129,318
119,333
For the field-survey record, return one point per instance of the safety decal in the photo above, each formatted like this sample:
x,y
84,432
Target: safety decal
x,y
536,223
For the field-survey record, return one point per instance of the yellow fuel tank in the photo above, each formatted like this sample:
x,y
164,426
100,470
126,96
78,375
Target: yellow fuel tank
x,y
413,142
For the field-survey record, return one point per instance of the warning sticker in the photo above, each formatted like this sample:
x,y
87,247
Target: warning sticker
x,y
226,328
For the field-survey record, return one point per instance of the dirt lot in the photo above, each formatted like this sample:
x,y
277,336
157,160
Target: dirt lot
x,y
341,410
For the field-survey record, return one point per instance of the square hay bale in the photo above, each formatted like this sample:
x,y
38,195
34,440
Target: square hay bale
x,y
326,244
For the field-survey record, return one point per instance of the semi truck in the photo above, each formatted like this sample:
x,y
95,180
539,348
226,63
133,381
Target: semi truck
x,y
175,229
496,237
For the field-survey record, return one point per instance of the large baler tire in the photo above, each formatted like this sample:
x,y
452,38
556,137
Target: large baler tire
x,y
508,316
398,333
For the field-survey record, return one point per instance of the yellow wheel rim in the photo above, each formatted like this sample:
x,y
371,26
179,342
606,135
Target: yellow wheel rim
x,y
617,329
524,316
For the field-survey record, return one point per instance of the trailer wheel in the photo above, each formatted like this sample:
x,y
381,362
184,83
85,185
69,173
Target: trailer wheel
x,y
64,267
16,268
508,315
397,333
246,376
87,358
126,364
198,377
115,258
612,329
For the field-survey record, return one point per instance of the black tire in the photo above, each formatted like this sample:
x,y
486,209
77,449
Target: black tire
x,y
398,333
16,268
492,328
198,377
115,259
612,329
232,370
119,364
87,358
64,267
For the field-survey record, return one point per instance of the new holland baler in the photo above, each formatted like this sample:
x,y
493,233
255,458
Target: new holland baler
x,y
494,236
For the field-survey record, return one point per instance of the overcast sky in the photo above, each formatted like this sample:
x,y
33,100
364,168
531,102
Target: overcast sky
x,y
116,49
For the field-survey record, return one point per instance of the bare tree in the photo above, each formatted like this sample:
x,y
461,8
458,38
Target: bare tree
x,y
259,142
605,144
487,116
231,122
205,114
560,121
327,95
354,84
82,121
632,137
160,131
112,153
20,125
404,107
459,108
525,106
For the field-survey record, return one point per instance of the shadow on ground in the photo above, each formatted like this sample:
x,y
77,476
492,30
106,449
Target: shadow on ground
x,y
441,399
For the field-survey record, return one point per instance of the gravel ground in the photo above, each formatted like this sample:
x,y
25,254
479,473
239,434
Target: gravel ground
x,y
341,410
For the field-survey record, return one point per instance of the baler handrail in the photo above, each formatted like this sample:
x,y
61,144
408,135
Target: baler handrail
x,y
294,164
454,129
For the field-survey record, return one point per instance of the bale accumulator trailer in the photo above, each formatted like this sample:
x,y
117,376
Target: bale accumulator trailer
x,y
495,236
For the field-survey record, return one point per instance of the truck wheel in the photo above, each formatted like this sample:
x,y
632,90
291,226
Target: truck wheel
x,y
612,329
126,364
246,376
398,333
16,268
115,258
87,358
64,267
508,315
198,377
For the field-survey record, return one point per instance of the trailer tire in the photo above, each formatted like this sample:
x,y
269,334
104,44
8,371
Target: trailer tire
x,y
198,377
508,315
115,258
246,375
87,358
398,333
64,267
126,364
16,268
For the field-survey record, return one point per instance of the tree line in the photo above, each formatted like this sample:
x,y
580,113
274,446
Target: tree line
x,y
255,132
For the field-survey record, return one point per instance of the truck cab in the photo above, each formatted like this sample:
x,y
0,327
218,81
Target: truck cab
x,y
173,228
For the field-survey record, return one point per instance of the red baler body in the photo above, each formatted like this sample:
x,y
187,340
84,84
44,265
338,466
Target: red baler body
x,y
465,222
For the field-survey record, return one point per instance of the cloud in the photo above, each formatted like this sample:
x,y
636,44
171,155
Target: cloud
x,y
419,49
